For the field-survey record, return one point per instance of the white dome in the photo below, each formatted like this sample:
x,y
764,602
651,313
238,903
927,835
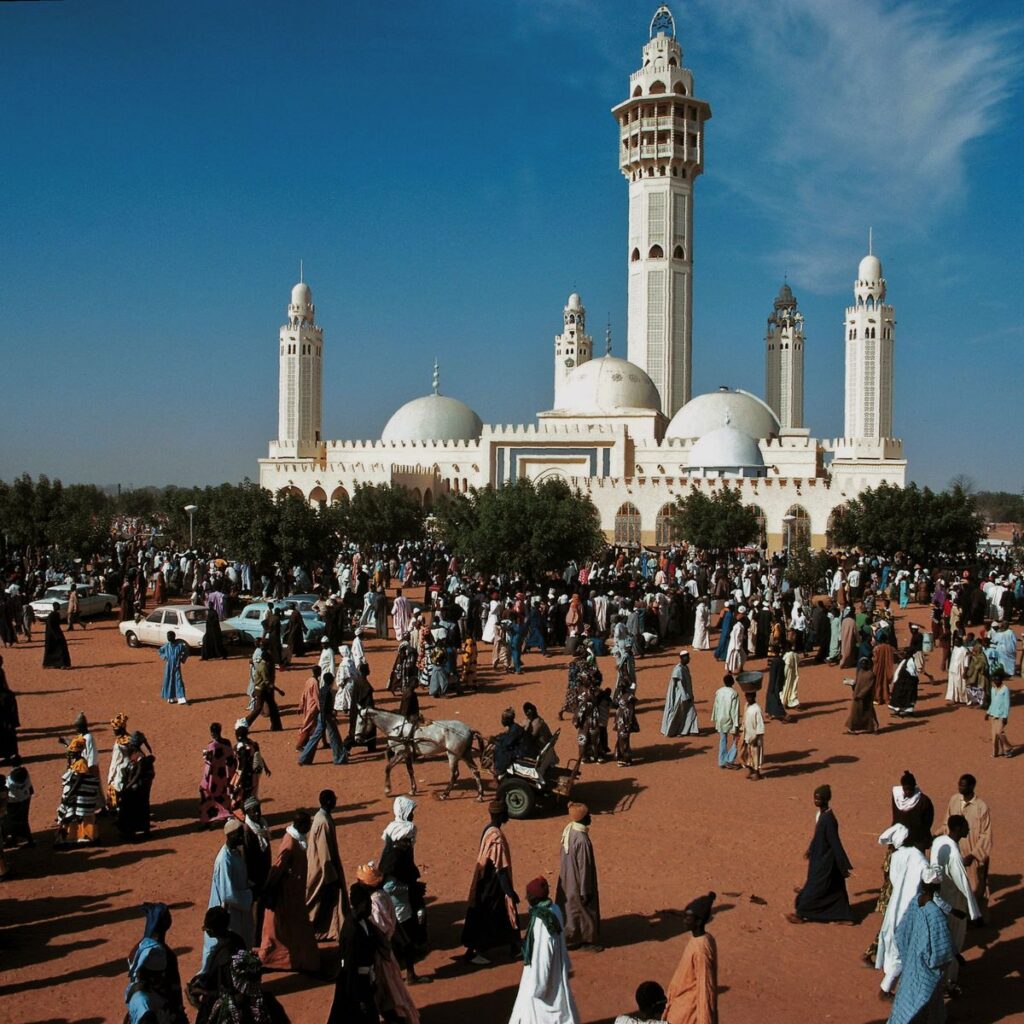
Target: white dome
x,y
608,385
738,409
301,295
574,301
726,448
433,418
870,270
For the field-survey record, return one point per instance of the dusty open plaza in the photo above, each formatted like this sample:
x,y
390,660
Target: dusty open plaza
x,y
667,829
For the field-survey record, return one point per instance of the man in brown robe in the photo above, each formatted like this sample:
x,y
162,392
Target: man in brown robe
x,y
309,708
693,990
492,919
578,894
289,943
326,895
883,667
976,849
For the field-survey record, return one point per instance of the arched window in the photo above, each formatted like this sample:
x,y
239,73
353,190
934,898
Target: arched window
x,y
677,253
572,318
665,530
657,88
871,302
680,89
656,253
638,91
673,63
634,256
417,497
318,496
290,490
796,528
338,494
428,498
627,524
762,536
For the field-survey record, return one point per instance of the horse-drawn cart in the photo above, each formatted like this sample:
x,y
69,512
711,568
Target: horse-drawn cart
x,y
531,781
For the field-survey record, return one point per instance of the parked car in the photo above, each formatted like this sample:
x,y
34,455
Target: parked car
x,y
248,623
90,602
187,621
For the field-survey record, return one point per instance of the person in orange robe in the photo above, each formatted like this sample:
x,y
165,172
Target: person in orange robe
x,y
693,990
309,708
289,943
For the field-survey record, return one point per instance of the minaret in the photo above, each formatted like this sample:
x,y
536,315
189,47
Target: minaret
x,y
784,360
573,346
301,381
661,152
870,333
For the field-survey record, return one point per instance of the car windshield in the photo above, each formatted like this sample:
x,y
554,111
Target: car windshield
x,y
57,595
196,615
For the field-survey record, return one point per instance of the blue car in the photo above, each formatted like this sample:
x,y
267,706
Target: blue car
x,y
249,622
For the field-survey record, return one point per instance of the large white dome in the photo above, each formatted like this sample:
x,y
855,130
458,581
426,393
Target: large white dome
x,y
739,409
727,449
609,385
433,418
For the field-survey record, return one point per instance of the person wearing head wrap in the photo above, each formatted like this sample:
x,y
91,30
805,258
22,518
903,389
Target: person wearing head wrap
x,y
55,644
403,886
578,891
244,1001
288,941
925,948
137,775
544,994
219,764
955,889
823,897
174,654
80,798
154,983
355,999
862,717
118,757
692,996
492,918
905,869
206,987
230,887
326,891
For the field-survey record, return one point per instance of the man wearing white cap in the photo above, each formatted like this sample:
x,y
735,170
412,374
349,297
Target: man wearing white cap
x,y
905,868
955,888
736,653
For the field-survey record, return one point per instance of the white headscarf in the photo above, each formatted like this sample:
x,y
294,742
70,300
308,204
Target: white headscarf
x,y
895,836
402,827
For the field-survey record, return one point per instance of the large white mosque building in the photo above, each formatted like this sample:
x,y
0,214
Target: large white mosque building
x,y
628,433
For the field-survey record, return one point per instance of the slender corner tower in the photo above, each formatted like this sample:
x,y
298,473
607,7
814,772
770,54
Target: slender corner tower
x,y
300,384
784,360
661,152
870,336
573,346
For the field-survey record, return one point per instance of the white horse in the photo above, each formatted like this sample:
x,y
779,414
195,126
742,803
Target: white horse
x,y
454,739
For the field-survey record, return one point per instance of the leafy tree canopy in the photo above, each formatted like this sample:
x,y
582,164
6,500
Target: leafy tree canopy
x,y
716,522
380,514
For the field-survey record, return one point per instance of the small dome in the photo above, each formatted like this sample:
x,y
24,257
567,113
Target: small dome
x,y
726,448
738,409
433,418
608,385
870,270
785,293
301,295
574,301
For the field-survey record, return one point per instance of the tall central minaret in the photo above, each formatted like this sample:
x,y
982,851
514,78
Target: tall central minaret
x,y
661,152
870,336
301,379
784,360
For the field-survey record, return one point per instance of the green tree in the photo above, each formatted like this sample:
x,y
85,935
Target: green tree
x,y
380,514
918,522
716,522
521,528
80,520
806,569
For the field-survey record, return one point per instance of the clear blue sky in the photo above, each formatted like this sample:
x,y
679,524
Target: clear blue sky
x,y
447,170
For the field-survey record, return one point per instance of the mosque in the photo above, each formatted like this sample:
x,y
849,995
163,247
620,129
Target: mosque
x,y
627,432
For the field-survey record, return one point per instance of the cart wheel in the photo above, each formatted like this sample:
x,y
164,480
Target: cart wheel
x,y
131,639
519,801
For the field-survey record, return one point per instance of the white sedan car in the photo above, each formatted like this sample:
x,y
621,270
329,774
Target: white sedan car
x,y
90,602
186,621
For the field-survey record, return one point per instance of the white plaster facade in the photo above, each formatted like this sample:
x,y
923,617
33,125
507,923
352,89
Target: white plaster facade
x,y
608,434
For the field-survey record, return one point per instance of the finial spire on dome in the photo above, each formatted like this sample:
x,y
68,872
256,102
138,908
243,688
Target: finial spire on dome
x,y
437,377
608,337
871,251
302,279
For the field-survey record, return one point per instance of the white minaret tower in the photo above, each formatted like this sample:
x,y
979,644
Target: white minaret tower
x,y
301,381
573,346
661,152
784,360
870,333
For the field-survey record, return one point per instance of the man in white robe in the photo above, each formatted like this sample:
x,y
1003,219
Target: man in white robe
x,y
955,887
905,867
680,717
701,621
401,615
736,652
544,995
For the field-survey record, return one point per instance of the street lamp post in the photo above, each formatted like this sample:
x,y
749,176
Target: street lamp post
x,y
191,510
789,520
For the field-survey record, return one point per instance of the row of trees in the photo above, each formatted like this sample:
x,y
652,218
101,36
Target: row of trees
x,y
520,529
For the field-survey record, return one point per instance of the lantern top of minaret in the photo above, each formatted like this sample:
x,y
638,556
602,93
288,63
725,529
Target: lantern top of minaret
x,y
663,23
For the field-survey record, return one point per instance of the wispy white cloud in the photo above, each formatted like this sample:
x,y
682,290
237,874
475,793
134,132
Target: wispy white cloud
x,y
861,114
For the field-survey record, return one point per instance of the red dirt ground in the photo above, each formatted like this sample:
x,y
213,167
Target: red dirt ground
x,y
665,830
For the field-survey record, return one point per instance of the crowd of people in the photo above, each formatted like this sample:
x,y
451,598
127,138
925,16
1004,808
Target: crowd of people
x,y
271,908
